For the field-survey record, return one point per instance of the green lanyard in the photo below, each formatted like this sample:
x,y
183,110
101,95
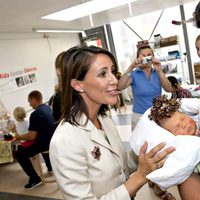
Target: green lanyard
x,y
105,136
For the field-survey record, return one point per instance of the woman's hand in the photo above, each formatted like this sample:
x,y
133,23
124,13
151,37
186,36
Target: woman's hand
x,y
148,162
152,160
136,62
157,65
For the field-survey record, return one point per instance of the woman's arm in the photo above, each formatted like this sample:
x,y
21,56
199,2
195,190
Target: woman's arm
x,y
190,189
125,80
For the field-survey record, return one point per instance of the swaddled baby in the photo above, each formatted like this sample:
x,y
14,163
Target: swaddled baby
x,y
166,114
165,123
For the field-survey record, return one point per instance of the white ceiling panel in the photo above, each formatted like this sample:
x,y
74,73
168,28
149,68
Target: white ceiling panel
x,y
21,16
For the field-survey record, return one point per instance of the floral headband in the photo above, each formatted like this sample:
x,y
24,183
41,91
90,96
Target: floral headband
x,y
163,108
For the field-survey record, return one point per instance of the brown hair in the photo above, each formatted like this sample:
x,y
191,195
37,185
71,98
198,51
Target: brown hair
x,y
58,61
142,48
196,15
36,95
163,108
173,80
58,66
19,113
76,63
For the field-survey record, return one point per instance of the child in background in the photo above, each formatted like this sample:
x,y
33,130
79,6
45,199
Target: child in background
x,y
178,91
21,126
21,123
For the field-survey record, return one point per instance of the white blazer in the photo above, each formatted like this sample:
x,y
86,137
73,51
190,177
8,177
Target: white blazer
x,y
79,174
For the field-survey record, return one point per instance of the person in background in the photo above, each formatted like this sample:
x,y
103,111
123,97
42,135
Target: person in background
x,y
178,91
41,129
196,15
197,44
55,103
86,152
56,98
21,123
146,79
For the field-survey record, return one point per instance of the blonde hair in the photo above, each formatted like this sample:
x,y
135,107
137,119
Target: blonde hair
x,y
19,113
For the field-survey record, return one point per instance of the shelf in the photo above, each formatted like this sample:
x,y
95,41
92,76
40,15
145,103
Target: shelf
x,y
171,45
168,59
167,42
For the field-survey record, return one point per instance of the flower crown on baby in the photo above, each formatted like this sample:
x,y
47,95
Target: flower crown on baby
x,y
163,108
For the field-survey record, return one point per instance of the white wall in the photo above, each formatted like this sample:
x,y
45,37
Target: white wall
x,y
23,54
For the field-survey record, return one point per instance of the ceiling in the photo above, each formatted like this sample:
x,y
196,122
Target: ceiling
x,y
21,16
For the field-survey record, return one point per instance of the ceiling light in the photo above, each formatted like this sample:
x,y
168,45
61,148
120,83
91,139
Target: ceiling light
x,y
86,9
56,31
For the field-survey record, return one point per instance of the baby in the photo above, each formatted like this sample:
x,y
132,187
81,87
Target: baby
x,y
165,123
166,114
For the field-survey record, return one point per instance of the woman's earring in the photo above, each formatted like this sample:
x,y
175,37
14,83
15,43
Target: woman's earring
x,y
81,91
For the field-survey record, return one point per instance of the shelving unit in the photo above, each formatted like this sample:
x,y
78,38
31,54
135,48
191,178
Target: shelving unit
x,y
172,60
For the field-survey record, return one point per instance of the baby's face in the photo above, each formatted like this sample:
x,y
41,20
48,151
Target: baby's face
x,y
179,124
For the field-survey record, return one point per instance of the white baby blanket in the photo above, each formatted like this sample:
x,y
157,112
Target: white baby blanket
x,y
180,164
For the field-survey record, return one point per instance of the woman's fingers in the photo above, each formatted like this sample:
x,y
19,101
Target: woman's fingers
x,y
154,159
153,153
156,149
143,149
161,155
160,164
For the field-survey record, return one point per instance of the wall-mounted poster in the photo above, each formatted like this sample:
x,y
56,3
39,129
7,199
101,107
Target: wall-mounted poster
x,y
14,80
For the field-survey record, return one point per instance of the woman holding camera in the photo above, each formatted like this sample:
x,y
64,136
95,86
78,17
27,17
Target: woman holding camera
x,y
146,80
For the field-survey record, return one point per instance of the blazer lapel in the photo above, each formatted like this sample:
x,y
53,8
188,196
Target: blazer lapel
x,y
111,132
97,136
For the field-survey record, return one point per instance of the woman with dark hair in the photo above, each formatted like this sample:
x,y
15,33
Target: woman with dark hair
x,y
55,100
87,155
178,91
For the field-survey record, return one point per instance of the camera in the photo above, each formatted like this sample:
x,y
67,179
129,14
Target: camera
x,y
146,60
